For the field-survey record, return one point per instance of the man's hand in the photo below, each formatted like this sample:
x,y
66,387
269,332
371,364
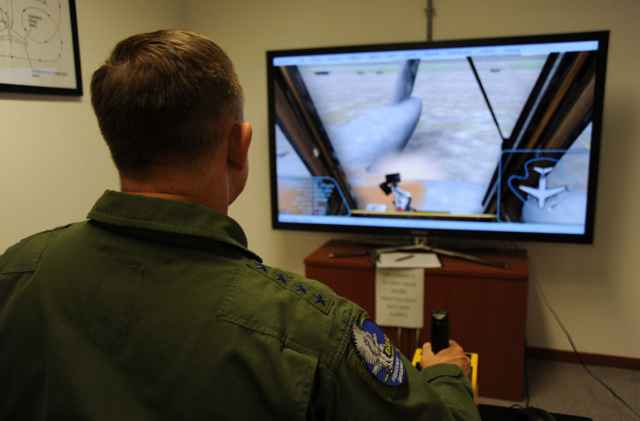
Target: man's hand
x,y
452,355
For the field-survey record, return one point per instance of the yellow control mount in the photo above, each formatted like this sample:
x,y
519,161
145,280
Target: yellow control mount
x,y
474,369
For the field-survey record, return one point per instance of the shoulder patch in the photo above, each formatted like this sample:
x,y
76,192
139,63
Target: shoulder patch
x,y
295,284
378,353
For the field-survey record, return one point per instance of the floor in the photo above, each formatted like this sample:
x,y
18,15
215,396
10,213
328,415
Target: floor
x,y
567,388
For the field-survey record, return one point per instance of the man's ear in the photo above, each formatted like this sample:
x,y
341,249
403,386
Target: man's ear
x,y
239,142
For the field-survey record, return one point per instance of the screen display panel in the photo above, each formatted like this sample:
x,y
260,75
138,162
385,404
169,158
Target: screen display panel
x,y
495,139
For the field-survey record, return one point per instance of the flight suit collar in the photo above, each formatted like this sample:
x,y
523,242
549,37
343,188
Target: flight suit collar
x,y
132,214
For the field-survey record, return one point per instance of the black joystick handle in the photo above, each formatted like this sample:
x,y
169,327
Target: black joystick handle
x,y
439,330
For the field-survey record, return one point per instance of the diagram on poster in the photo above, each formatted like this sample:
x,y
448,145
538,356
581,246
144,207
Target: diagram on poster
x,y
36,43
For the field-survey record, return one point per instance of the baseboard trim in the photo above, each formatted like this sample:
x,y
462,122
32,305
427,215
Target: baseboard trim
x,y
588,358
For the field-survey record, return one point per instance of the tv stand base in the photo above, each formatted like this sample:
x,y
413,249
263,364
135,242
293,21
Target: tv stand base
x,y
419,244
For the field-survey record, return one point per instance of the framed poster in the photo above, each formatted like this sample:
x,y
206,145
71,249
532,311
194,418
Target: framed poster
x,y
39,51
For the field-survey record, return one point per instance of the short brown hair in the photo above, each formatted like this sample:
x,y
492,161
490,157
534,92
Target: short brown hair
x,y
165,99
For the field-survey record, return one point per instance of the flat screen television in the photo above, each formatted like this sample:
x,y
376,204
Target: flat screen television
x,y
495,139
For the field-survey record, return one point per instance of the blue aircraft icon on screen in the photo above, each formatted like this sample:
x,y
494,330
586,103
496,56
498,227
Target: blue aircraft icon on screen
x,y
543,196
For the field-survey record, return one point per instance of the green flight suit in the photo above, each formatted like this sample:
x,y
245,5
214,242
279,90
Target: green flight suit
x,y
155,309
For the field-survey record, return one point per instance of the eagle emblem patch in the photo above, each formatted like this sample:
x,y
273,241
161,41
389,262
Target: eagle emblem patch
x,y
378,353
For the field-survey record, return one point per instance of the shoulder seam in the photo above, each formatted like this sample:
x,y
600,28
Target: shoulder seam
x,y
224,314
33,264
346,338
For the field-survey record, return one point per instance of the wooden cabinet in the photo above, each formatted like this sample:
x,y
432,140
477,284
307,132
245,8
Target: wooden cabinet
x,y
487,308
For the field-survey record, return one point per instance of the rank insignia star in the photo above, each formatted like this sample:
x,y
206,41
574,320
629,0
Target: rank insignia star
x,y
263,267
319,299
304,290
281,277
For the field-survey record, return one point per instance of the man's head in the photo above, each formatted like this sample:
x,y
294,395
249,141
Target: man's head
x,y
165,101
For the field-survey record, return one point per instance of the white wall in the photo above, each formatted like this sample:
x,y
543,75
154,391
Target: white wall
x,y
53,161
594,289
54,165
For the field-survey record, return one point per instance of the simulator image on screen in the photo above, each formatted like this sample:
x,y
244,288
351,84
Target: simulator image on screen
x,y
485,138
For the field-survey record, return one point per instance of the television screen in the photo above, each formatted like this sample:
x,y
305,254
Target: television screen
x,y
492,138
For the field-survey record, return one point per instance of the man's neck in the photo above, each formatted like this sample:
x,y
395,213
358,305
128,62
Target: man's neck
x,y
214,197
171,196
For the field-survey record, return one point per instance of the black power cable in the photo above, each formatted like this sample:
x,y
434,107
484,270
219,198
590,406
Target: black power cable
x,y
526,378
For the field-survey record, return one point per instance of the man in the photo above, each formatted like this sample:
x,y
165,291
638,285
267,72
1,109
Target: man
x,y
154,308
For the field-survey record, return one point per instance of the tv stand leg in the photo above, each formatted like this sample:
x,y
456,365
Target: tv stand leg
x,y
471,258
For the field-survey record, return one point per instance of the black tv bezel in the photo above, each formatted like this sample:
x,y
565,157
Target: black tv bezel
x,y
601,64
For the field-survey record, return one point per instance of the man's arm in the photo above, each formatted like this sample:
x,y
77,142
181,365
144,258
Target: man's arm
x,y
446,371
441,391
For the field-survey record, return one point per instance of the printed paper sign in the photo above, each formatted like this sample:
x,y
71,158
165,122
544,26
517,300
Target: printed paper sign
x,y
400,297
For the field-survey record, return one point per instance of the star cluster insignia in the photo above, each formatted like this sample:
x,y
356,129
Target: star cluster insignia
x,y
318,300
